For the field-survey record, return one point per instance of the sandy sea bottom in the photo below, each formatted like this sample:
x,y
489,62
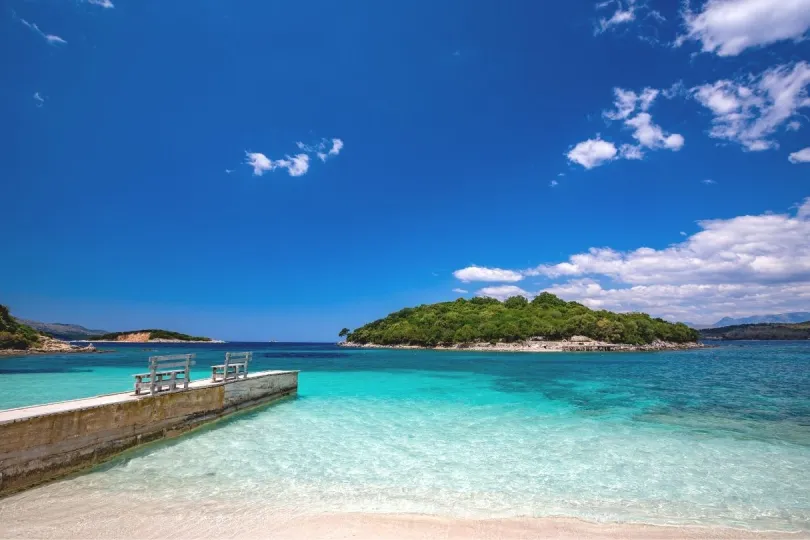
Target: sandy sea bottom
x,y
441,444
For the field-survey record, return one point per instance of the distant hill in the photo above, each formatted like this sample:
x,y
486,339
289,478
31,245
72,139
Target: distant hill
x,y
795,317
778,318
767,331
142,336
62,330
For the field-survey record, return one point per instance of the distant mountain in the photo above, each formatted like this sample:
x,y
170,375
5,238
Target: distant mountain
x,y
782,318
697,326
770,331
62,330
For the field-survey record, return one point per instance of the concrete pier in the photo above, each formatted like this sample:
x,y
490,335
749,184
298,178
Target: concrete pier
x,y
45,442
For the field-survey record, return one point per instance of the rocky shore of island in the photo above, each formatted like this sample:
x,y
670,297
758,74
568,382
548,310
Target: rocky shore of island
x,y
49,345
575,344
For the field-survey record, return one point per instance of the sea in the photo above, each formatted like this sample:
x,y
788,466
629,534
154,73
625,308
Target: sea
x,y
716,437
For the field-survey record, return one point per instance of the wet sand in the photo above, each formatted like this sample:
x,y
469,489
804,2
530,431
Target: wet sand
x,y
49,513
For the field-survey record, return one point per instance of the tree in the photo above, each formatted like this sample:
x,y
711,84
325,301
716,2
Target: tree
x,y
344,332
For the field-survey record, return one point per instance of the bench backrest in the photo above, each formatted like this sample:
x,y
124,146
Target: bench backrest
x,y
238,358
172,361
170,373
235,367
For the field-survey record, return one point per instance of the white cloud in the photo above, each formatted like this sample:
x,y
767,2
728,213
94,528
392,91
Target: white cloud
x,y
709,181
645,131
592,153
39,99
795,125
739,266
698,303
749,111
103,3
479,273
502,292
651,135
320,149
728,27
683,233
50,38
297,165
337,146
627,101
561,174
259,162
627,11
460,291
553,183
629,151
630,108
620,16
802,156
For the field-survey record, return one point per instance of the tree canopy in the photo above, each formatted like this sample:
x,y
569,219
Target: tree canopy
x,y
153,334
515,319
13,334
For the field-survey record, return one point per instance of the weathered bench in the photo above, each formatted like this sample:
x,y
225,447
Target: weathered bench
x,y
166,374
235,367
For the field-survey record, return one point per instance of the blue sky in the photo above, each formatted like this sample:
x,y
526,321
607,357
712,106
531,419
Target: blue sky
x,y
152,174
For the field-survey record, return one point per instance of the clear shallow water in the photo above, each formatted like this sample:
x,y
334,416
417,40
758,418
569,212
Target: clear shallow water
x,y
719,436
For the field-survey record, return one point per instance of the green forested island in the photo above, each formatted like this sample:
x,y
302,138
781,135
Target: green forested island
x,y
147,335
516,319
776,331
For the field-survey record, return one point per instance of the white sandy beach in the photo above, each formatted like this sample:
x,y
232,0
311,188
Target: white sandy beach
x,y
48,513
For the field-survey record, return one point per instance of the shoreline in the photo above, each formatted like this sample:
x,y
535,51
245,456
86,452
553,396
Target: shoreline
x,y
142,342
95,514
538,347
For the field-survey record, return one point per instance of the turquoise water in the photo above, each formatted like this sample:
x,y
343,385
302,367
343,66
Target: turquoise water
x,y
714,437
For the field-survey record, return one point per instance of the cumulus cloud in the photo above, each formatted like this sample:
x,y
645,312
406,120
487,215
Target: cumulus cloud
x,y
103,3
296,165
748,111
50,38
502,292
460,291
708,181
592,153
802,156
651,135
728,27
479,273
630,151
627,101
39,99
337,146
553,183
631,108
739,266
